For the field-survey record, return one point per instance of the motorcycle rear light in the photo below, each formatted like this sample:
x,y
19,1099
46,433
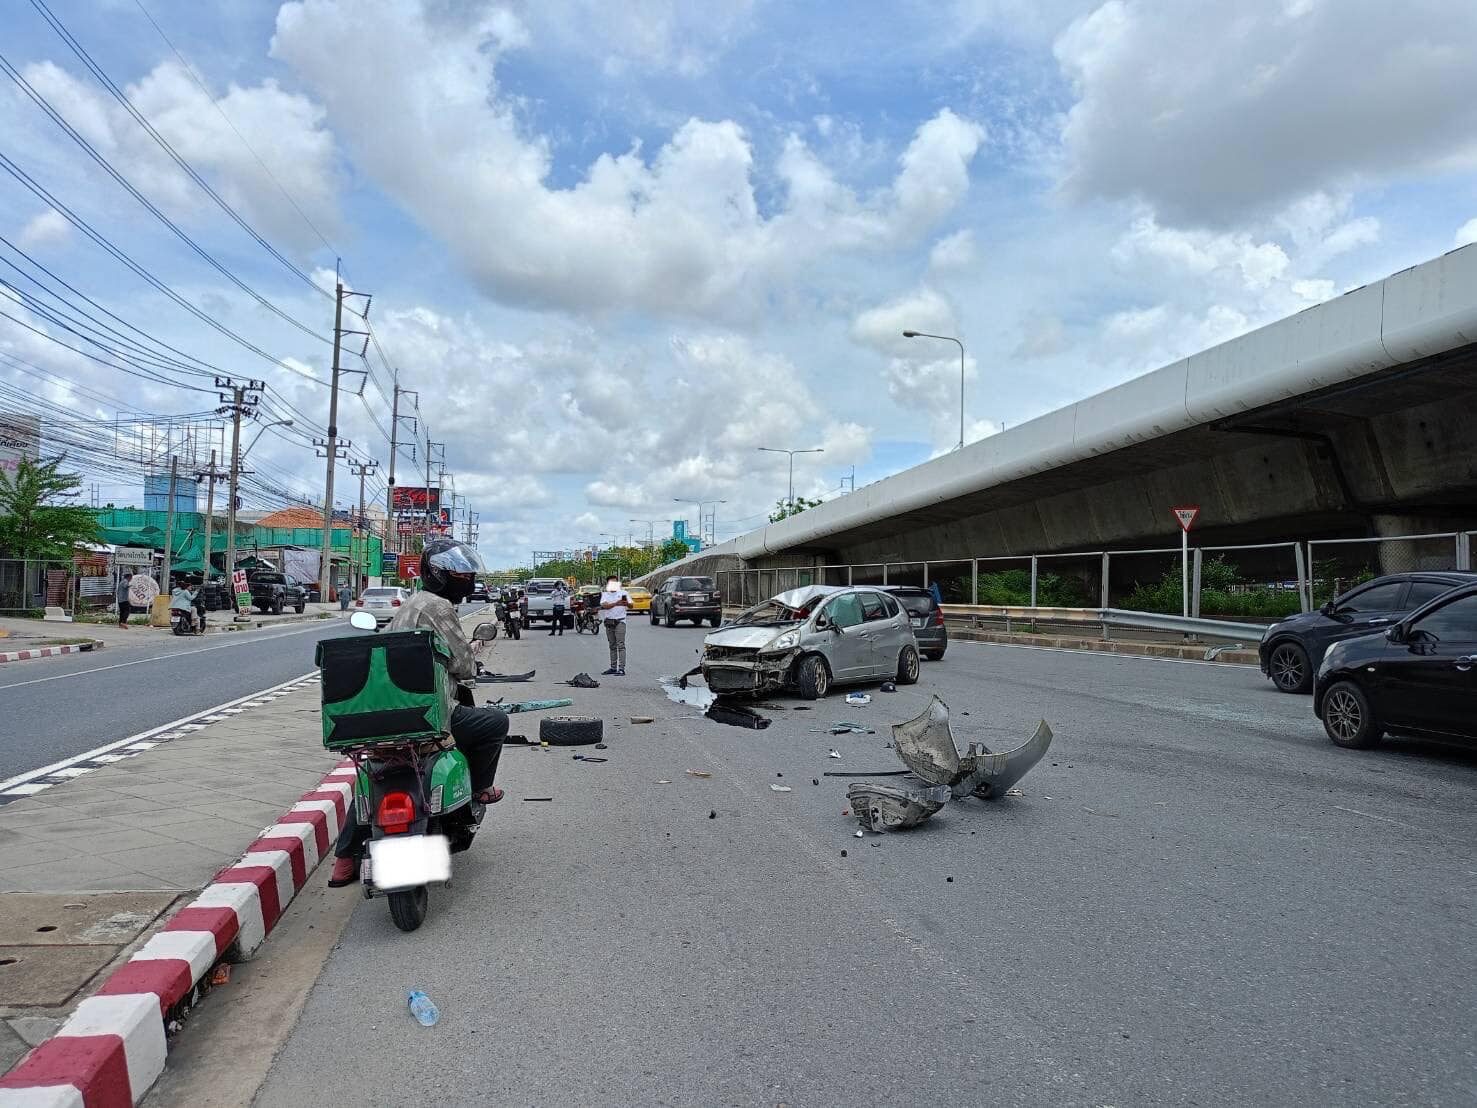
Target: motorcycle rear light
x,y
938,617
396,813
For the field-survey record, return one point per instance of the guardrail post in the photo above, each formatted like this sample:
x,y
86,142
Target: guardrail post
x,y
1195,583
974,581
1305,578
1464,550
1103,592
1033,580
925,575
848,577
884,573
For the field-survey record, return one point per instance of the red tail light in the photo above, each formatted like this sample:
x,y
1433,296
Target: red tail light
x,y
358,603
396,813
395,603
938,617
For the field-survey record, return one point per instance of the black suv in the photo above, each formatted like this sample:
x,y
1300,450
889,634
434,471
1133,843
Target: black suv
x,y
1292,650
272,592
1419,675
694,598
926,617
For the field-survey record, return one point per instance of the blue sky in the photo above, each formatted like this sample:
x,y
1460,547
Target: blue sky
x,y
617,248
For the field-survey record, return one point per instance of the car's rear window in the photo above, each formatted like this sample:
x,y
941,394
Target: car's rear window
x,y
694,584
269,578
916,603
381,592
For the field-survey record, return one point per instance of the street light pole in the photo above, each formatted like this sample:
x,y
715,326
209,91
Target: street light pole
x,y
790,501
948,338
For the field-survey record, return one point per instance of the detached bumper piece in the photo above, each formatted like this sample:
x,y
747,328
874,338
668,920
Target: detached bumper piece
x,y
926,746
890,808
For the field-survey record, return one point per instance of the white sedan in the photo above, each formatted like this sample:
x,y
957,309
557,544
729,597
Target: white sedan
x,y
382,603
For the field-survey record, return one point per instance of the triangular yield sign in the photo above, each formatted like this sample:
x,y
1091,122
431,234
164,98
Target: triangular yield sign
x,y
1186,517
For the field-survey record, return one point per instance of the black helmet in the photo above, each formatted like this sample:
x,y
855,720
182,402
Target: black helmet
x,y
449,568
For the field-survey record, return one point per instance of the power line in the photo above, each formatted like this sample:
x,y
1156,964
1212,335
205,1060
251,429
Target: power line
x,y
194,76
205,255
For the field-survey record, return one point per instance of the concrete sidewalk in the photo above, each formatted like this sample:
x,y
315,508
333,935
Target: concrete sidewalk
x,y
22,634
118,846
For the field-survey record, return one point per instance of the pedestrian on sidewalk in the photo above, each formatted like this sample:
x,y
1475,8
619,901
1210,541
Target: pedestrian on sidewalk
x,y
121,595
561,601
615,602
345,594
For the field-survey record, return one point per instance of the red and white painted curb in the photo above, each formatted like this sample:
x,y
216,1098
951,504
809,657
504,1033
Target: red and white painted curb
x,y
50,651
113,1048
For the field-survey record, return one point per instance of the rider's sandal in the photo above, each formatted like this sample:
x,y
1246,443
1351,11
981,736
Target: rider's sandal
x,y
490,796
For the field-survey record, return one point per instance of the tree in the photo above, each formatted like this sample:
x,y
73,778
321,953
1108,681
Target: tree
x,y
672,550
794,508
35,519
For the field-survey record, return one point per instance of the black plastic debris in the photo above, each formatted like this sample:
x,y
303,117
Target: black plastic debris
x,y
583,681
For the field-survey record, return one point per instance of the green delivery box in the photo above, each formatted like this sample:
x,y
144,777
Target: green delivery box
x,y
383,688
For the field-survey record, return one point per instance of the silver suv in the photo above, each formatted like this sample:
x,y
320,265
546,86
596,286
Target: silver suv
x,y
811,638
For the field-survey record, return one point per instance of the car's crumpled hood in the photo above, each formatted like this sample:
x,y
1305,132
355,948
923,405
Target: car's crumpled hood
x,y
747,638
805,594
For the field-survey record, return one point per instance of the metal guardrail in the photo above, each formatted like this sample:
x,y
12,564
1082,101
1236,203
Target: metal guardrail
x,y
1113,617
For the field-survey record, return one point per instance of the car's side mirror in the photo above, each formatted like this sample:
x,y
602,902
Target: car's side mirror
x,y
484,632
1395,634
1328,608
363,621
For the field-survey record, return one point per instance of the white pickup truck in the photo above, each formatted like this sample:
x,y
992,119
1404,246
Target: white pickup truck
x,y
539,602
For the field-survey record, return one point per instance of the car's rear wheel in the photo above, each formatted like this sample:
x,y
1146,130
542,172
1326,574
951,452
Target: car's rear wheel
x,y
653,616
1348,718
671,619
1289,668
907,666
813,679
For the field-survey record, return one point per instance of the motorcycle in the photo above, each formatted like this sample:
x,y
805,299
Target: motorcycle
x,y
512,624
412,786
587,617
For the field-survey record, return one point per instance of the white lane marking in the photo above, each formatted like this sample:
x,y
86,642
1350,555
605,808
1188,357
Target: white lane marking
x,y
1371,815
161,658
1106,654
136,742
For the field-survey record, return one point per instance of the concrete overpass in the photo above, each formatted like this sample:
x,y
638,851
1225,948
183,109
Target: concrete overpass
x,y
1356,417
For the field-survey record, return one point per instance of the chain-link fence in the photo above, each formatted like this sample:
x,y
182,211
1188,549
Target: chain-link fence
x,y
1337,565
1263,581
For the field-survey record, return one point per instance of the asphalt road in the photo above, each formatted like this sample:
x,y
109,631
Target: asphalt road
x,y
1199,900
61,707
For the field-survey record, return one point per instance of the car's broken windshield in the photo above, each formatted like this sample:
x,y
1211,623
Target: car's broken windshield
x,y
770,613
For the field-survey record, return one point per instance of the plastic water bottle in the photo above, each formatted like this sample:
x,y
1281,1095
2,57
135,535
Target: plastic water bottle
x,y
425,1012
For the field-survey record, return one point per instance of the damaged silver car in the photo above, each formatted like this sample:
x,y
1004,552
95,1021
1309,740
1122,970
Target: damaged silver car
x,y
809,639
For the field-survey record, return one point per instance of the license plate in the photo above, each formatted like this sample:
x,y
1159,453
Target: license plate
x,y
922,621
406,861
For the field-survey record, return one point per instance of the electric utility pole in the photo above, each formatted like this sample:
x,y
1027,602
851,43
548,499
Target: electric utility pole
x,y
395,418
169,522
210,476
362,470
332,447
432,513
242,401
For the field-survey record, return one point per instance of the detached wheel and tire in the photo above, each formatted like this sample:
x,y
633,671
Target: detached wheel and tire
x,y
300,607
1289,668
907,666
408,908
571,730
812,678
277,606
1348,719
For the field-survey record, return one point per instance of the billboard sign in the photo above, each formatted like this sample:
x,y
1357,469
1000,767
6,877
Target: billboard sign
x,y
411,499
389,564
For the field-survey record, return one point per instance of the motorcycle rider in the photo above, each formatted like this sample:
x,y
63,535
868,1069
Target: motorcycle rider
x,y
449,569
184,599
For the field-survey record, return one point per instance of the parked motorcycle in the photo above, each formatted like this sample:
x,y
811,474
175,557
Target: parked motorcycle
x,y
383,703
587,618
511,620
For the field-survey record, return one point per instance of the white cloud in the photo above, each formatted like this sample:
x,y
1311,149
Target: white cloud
x,y
1043,336
1467,233
284,128
1212,111
953,252
656,35
924,309
45,229
680,231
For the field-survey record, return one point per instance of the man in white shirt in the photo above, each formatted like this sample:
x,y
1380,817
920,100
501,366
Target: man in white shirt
x,y
615,602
